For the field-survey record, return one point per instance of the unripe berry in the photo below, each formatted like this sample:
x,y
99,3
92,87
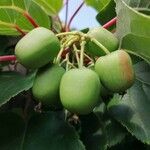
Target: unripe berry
x,y
39,47
80,90
115,71
103,36
46,85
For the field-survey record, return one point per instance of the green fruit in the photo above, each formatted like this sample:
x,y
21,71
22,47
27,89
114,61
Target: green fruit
x,y
115,71
103,36
80,90
46,85
37,48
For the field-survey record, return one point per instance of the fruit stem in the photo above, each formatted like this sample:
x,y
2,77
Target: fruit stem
x,y
100,45
58,58
66,114
65,60
63,40
67,33
88,57
91,65
73,16
67,42
82,53
73,66
68,39
76,54
7,58
67,64
110,23
71,40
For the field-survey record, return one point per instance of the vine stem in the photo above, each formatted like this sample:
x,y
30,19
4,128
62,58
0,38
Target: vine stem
x,y
110,23
66,15
100,45
7,58
73,16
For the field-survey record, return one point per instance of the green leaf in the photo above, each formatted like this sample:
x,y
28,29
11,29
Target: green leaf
x,y
91,132
97,4
106,9
42,132
51,132
12,83
133,27
51,7
12,13
133,44
107,12
130,143
115,133
109,135
11,131
132,110
99,131
142,71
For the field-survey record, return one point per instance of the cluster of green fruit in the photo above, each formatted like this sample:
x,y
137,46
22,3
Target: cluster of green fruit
x,y
76,86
